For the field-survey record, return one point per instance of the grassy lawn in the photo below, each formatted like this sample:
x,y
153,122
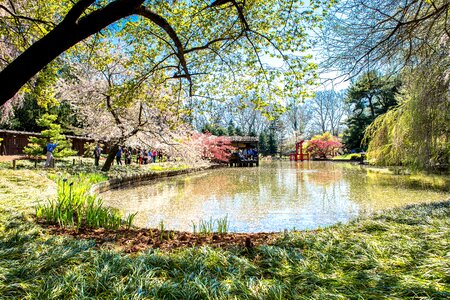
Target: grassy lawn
x,y
351,156
399,254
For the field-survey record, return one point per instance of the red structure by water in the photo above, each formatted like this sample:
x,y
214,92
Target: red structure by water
x,y
299,155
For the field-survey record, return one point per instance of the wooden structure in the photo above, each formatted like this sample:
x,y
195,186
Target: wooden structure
x,y
244,145
15,141
299,155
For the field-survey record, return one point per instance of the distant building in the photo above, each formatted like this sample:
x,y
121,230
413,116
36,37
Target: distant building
x,y
243,144
15,141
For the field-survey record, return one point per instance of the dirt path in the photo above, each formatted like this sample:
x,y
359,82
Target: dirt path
x,y
4,158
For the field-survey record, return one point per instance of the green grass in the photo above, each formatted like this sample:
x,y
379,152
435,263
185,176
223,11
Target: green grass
x,y
76,207
86,166
398,254
402,254
350,157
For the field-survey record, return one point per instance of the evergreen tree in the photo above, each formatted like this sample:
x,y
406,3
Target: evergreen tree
x,y
207,128
238,131
371,96
263,147
230,129
51,133
220,131
272,146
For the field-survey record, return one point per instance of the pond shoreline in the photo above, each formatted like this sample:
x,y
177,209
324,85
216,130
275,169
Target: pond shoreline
x,y
141,179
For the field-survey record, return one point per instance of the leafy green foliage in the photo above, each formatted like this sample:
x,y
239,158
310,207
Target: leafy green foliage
x,y
416,133
24,116
209,226
52,133
401,253
218,48
218,130
370,96
75,207
263,145
272,144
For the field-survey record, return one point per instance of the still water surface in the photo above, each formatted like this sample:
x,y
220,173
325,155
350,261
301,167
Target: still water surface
x,y
273,197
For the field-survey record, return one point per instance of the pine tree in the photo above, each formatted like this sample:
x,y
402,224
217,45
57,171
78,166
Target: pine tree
x,y
263,143
52,133
230,128
272,146
371,96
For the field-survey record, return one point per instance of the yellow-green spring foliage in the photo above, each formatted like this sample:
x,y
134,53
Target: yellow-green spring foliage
x,y
52,133
416,132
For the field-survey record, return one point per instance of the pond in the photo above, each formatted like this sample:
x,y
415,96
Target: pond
x,y
273,197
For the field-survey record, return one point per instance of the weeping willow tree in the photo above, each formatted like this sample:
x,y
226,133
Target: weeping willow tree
x,y
416,133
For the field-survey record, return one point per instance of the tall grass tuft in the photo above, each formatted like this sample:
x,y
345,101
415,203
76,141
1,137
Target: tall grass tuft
x,y
222,225
75,207
206,227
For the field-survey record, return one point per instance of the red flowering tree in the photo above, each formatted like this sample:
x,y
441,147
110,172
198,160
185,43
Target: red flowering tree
x,y
214,148
323,146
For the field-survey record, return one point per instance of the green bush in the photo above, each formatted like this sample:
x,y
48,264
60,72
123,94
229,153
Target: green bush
x,y
53,133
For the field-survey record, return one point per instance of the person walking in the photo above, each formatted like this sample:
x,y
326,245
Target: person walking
x,y
127,156
154,155
145,157
97,152
50,148
119,156
150,157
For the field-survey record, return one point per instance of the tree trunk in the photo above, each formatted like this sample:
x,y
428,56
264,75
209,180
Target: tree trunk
x,y
109,160
61,38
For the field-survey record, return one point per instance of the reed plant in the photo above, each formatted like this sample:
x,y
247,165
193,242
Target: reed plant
x,y
222,225
76,207
209,226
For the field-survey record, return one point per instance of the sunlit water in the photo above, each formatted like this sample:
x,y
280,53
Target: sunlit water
x,y
273,197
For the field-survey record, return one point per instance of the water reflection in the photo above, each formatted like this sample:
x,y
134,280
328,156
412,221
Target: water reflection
x,y
275,196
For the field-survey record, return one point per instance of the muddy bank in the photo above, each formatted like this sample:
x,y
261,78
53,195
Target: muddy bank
x,y
136,240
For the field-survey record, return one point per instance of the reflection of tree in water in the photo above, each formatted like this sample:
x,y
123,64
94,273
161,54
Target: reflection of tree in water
x,y
287,194
374,191
218,184
322,173
327,178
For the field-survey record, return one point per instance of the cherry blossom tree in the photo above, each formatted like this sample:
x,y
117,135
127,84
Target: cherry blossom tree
x,y
117,106
209,147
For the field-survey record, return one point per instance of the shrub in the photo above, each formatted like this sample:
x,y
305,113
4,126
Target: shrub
x,y
323,146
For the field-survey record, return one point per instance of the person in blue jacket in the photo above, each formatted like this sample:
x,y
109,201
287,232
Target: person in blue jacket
x,y
119,156
50,148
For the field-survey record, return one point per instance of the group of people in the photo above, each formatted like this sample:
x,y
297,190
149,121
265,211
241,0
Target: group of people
x,y
143,156
248,154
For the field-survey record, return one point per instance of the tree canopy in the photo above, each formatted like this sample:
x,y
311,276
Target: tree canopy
x,y
191,41
385,34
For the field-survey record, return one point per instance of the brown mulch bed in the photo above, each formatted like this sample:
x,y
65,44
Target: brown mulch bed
x,y
135,240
